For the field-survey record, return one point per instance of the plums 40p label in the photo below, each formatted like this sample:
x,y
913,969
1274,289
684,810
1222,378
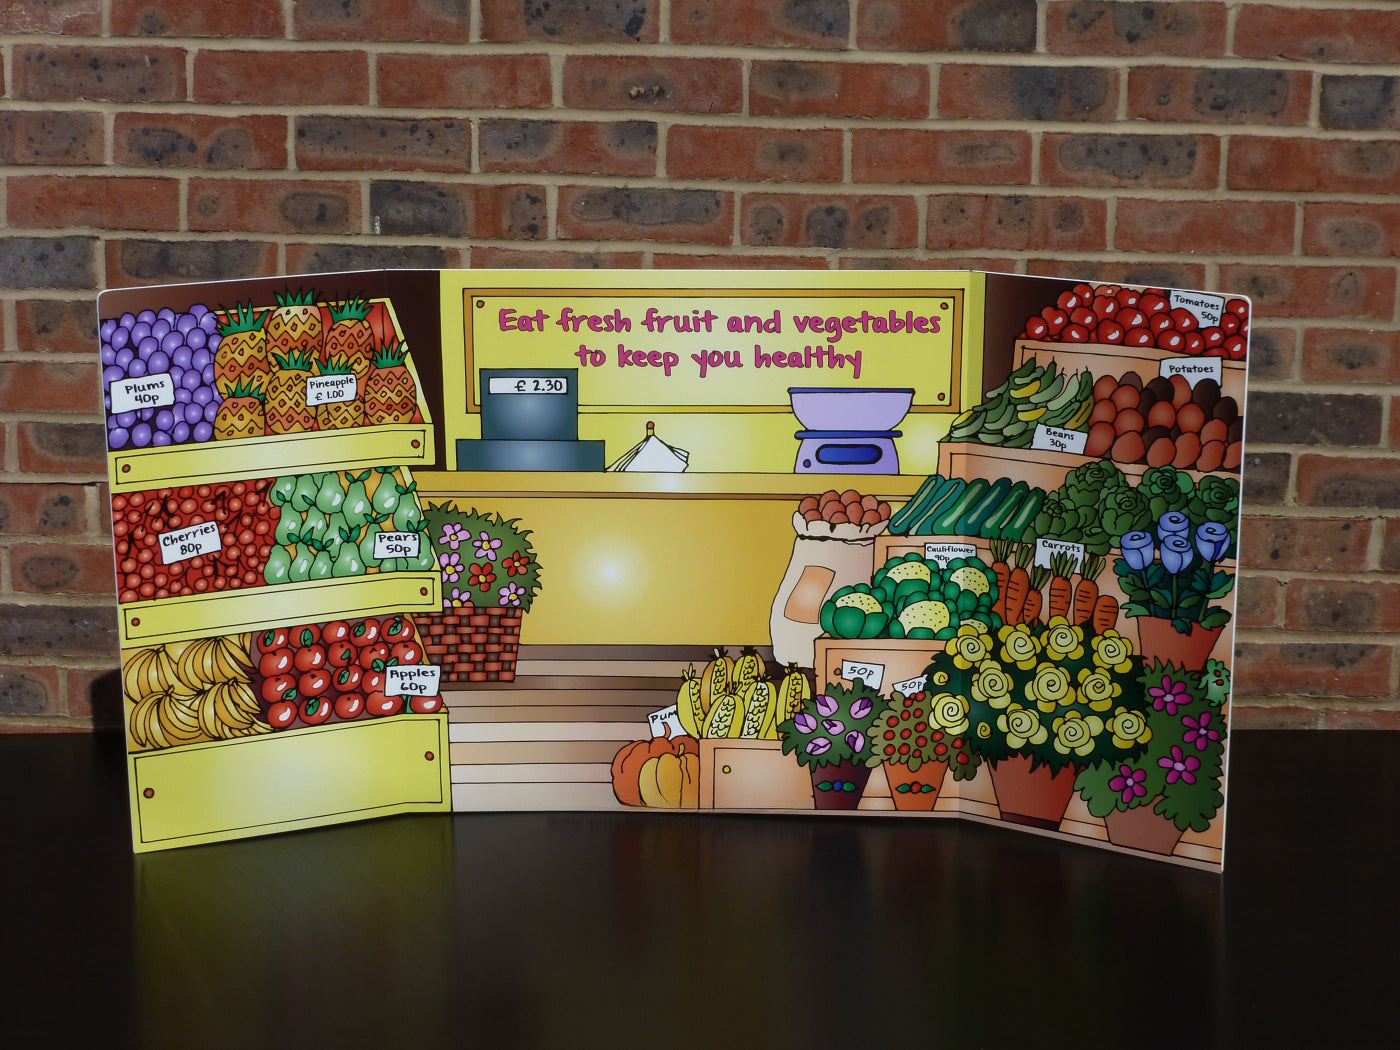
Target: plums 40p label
x,y
416,680
129,395
183,544
1053,439
396,544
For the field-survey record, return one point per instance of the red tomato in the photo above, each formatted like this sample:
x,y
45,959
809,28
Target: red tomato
x,y
1128,296
274,638
316,709
335,631
1213,335
278,687
1184,320
1138,337
1171,341
311,657
1159,322
1104,306
1195,342
1055,319
275,662
1068,301
281,714
349,705
366,632
399,629
1152,302
425,705
1239,307
1131,317
379,705
1229,324
1108,331
1075,333
340,654
372,653
1235,346
1084,317
347,679
407,653
314,683
1036,328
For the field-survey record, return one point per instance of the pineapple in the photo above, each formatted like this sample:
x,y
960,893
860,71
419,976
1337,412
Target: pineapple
x,y
285,403
242,352
337,415
241,413
390,396
295,324
350,336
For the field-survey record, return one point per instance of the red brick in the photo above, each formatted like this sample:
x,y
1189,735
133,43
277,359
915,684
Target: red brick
x,y
640,82
946,25
1271,353
225,18
43,510
464,81
138,261
430,209
62,448
974,157
1078,27
774,154
491,256
574,22
1304,544
1314,291
1328,34
1312,669
61,569
1353,606
1350,355
446,22
1228,96
326,143
1390,545
1331,228
1344,481
308,78
70,17
812,220
839,89
965,221
695,216
107,202
1365,718
55,326
899,262
1157,161
1247,716
68,262
1062,93
1257,601
1296,164
815,23
192,140
50,386
110,74
1232,227
1146,274
29,690
274,206
677,261
60,137
626,147
94,693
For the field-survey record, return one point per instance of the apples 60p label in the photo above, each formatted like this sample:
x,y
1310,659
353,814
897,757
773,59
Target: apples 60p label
x,y
417,680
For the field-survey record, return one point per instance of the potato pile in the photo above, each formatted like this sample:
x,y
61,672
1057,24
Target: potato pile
x,y
839,508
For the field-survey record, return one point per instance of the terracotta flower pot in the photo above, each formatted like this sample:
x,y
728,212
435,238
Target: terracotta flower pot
x,y
915,791
1158,639
1037,799
839,786
1140,828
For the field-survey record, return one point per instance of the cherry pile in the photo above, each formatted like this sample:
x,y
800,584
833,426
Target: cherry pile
x,y
1112,314
243,513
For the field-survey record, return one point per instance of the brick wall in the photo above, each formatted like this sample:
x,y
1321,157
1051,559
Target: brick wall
x,y
1246,146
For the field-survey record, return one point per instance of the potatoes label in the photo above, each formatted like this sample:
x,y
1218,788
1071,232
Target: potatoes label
x,y
1192,369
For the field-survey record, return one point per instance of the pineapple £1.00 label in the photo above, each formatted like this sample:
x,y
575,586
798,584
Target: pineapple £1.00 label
x,y
412,680
330,390
191,542
860,670
396,544
129,395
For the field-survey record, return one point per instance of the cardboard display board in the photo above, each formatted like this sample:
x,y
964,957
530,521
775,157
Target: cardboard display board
x,y
919,544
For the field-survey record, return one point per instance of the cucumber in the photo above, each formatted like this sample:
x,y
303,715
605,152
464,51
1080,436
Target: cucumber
x,y
991,528
971,523
924,526
918,504
946,522
1024,517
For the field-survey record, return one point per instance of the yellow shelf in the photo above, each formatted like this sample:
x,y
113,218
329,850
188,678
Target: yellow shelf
x,y
439,484
294,779
164,620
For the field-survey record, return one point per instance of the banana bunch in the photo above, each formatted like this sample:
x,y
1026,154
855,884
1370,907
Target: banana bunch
x,y
1032,395
191,692
733,698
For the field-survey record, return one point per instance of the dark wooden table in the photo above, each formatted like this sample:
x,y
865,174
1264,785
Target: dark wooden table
x,y
633,930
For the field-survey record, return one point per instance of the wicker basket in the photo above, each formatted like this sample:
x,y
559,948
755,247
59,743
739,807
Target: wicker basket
x,y
473,644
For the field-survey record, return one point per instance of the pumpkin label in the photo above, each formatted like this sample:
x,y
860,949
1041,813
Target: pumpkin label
x,y
666,722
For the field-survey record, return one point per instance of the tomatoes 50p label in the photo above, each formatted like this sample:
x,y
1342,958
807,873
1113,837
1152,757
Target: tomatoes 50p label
x,y
183,544
418,680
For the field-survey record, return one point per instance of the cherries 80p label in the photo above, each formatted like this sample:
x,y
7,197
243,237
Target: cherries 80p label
x,y
184,544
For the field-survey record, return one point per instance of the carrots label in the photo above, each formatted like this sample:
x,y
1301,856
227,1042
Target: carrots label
x,y
1046,549
1053,439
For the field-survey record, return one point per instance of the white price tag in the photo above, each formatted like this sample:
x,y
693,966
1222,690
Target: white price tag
x,y
943,553
666,718
1053,439
1207,309
396,544
184,544
1046,549
910,686
527,385
155,391
1192,369
860,671
329,390
415,680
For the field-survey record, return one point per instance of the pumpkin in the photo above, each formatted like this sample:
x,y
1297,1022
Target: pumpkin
x,y
628,762
671,781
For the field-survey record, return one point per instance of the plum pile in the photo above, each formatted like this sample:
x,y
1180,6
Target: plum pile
x,y
165,342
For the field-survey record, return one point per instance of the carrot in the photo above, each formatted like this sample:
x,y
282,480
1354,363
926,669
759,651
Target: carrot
x,y
1030,613
1061,593
1018,585
1087,591
1105,613
1001,550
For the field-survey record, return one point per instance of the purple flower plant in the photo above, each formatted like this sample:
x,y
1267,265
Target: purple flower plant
x,y
1180,766
1170,696
1199,731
